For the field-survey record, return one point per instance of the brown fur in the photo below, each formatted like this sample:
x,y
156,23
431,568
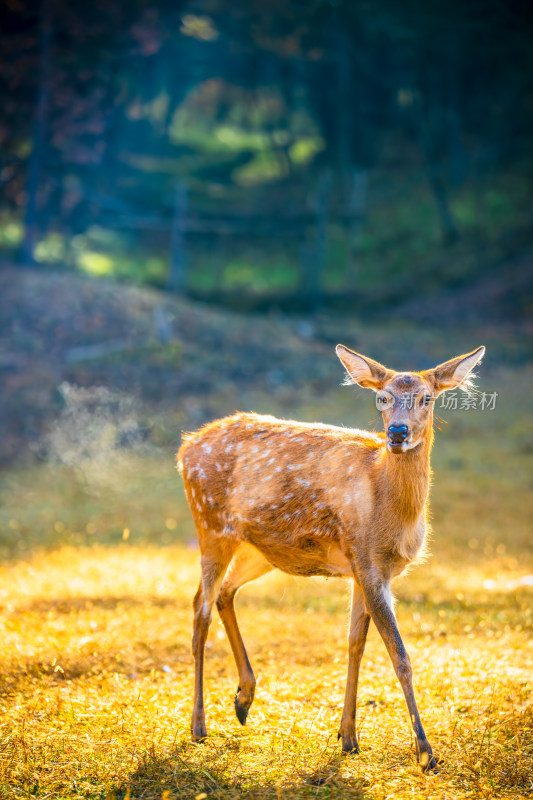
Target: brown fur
x,y
313,499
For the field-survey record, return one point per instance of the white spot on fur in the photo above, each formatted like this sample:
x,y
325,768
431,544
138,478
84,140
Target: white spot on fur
x,y
204,524
271,460
303,482
219,468
350,469
229,448
207,448
288,496
255,449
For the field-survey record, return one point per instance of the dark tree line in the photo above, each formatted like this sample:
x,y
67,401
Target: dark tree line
x,y
107,106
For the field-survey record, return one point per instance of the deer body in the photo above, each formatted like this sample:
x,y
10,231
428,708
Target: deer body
x,y
305,496
313,499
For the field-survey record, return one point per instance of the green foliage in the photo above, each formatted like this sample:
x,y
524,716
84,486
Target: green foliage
x,y
11,231
217,118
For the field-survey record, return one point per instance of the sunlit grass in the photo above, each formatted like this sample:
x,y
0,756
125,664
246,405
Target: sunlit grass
x,y
99,569
97,681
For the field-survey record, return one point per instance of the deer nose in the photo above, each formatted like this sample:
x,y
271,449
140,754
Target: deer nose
x,y
397,433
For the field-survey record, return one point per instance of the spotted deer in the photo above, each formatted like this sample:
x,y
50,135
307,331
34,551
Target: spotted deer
x,y
314,499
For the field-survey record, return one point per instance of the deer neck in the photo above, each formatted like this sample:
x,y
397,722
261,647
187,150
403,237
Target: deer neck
x,y
407,479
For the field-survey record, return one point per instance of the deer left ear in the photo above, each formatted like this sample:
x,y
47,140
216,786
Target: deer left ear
x,y
363,370
457,372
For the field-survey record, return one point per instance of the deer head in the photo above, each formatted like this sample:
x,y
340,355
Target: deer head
x,y
406,399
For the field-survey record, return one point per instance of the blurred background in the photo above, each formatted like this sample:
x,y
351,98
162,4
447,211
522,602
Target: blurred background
x,y
199,199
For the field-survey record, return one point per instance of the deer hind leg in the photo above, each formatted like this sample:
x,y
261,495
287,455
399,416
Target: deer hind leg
x,y
359,622
247,565
379,603
213,565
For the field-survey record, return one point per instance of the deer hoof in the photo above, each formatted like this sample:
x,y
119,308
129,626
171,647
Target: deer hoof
x,y
427,761
242,713
349,745
198,732
242,706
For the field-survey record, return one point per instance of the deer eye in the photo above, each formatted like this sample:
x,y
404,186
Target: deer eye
x,y
426,400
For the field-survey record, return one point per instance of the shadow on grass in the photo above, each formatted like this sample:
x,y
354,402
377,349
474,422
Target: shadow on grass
x,y
484,601
226,769
143,660
493,601
73,605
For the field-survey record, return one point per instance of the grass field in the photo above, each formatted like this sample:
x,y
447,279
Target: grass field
x,y
96,672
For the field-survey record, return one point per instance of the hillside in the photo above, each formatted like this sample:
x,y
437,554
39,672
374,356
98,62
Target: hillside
x,y
182,362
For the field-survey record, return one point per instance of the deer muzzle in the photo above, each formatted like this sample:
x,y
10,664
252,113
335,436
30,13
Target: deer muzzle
x,y
397,433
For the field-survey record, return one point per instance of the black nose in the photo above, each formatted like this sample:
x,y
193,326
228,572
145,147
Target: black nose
x,y
397,433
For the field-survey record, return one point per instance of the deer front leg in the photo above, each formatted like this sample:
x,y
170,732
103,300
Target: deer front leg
x,y
213,570
247,565
379,603
359,622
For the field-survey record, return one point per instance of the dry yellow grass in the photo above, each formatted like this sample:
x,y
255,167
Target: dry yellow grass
x,y
96,681
96,671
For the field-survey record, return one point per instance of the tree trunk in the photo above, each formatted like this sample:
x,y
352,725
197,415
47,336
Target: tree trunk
x,y
176,281
316,256
35,164
435,178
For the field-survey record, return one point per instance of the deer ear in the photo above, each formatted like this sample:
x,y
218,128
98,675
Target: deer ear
x,y
455,372
362,370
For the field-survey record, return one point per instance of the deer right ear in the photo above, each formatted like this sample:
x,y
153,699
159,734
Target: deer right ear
x,y
457,372
362,370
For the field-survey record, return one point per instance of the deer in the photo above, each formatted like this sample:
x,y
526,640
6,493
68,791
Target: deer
x,y
312,499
